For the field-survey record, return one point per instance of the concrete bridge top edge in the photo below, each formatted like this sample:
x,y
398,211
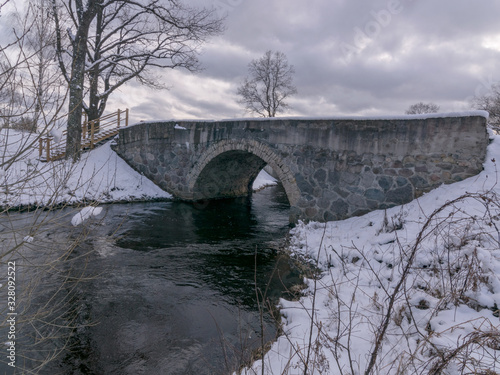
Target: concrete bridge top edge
x,y
471,113
277,129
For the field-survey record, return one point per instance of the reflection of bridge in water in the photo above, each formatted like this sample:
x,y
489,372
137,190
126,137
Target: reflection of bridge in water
x,y
330,168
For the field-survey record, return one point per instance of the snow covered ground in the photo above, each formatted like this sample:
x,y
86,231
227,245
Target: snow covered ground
x,y
411,290
414,289
101,176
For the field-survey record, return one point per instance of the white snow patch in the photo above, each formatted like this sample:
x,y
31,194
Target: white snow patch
x,y
84,214
263,180
57,134
471,113
28,239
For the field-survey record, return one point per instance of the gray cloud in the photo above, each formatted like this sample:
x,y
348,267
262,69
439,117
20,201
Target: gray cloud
x,y
351,57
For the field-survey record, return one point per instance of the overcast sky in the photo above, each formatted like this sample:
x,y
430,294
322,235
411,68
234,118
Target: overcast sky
x,y
351,57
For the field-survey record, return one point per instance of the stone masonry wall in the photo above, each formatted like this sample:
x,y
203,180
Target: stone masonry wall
x,y
331,168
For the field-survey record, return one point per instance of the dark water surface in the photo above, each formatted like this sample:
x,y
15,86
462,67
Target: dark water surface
x,y
174,289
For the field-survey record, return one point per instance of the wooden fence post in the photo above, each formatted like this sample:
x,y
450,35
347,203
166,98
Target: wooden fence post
x,y
89,131
48,149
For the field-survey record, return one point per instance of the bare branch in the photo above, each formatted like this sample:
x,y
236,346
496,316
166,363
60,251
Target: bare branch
x,y
490,102
111,42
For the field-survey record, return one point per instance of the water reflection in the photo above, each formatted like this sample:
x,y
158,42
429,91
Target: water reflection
x,y
175,292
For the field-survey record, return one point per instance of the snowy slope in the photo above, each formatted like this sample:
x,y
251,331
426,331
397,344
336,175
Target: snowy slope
x,y
100,176
413,290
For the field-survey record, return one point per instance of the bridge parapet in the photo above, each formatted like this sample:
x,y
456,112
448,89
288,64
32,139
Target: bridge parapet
x,y
331,168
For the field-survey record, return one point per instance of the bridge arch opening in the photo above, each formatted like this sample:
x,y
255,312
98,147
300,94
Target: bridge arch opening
x,y
229,169
230,174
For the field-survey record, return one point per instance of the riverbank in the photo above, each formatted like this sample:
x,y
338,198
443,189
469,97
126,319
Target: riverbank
x,y
414,289
100,176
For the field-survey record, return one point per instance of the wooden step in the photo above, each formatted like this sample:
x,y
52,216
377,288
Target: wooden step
x,y
107,129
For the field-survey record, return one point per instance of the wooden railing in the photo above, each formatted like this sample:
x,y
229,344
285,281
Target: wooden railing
x,y
93,132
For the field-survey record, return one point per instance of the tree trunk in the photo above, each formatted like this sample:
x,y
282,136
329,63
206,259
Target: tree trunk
x,y
74,128
77,80
93,110
93,107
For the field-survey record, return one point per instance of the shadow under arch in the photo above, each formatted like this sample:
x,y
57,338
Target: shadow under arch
x,y
228,169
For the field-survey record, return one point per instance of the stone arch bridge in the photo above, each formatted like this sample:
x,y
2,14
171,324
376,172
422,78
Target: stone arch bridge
x,y
331,169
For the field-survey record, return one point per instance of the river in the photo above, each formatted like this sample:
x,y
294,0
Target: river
x,y
171,286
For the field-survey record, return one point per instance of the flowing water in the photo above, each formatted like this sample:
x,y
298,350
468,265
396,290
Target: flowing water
x,y
173,287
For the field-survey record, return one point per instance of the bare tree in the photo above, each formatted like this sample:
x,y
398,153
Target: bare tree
x,y
31,89
29,249
420,108
111,42
49,87
490,102
269,83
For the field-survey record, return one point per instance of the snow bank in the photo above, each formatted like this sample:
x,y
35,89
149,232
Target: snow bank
x,y
263,180
101,176
428,272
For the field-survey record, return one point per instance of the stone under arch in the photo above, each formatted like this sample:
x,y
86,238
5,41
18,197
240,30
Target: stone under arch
x,y
229,167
